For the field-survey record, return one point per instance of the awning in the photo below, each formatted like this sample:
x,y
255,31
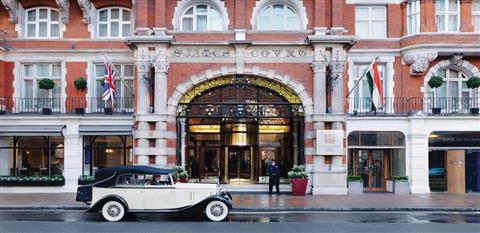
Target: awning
x,y
31,130
105,129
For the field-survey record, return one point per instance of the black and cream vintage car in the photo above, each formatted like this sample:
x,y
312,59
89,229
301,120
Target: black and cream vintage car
x,y
122,189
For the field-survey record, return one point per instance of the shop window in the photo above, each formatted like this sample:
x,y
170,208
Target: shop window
x,y
106,151
413,17
123,98
278,17
371,21
201,18
31,156
476,15
42,22
448,15
114,22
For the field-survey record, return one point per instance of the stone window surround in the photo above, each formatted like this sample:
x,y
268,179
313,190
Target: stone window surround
x,y
96,23
37,21
296,5
184,5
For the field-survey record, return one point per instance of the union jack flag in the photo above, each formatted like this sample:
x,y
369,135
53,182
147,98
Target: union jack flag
x,y
109,84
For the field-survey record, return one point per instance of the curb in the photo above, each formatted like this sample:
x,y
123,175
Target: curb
x,y
284,209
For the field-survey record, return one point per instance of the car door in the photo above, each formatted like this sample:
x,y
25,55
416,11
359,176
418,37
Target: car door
x,y
160,196
131,188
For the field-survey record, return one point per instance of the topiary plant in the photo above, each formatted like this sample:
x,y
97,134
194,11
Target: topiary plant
x,y
473,82
46,84
435,82
80,83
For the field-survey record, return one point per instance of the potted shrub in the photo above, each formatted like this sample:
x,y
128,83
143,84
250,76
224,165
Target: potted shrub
x,y
299,180
55,180
434,83
81,85
183,177
473,83
355,185
85,179
46,84
398,185
180,175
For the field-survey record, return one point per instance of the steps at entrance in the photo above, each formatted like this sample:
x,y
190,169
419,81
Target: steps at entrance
x,y
255,188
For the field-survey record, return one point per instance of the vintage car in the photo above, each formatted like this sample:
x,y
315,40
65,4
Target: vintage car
x,y
122,189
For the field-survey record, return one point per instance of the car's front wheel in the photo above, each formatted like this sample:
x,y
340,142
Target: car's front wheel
x,y
216,211
113,211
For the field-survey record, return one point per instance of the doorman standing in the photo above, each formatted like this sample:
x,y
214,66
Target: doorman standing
x,y
274,176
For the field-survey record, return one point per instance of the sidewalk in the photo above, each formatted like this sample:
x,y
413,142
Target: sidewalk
x,y
284,202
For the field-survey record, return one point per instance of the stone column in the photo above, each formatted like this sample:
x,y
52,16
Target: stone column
x,y
337,66
161,70
417,159
319,87
143,95
72,163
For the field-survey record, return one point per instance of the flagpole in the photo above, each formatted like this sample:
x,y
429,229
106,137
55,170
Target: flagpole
x,y
116,71
363,75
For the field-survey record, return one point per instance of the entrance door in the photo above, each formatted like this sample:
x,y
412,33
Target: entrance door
x,y
239,164
371,165
456,171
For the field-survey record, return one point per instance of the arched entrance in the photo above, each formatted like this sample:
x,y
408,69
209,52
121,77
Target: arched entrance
x,y
235,125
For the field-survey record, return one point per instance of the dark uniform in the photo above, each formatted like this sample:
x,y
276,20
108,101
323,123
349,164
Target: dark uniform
x,y
274,178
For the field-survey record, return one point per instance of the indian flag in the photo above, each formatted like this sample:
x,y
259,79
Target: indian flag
x,y
375,85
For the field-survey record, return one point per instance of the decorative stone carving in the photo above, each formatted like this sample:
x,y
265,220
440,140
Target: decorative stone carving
x,y
161,66
197,52
63,6
320,66
280,52
457,59
85,6
144,69
12,7
419,62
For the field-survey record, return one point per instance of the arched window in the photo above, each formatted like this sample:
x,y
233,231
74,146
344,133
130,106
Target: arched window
x,y
278,17
42,22
114,22
454,84
201,18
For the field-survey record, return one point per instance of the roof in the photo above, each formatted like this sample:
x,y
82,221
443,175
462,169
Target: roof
x,y
105,173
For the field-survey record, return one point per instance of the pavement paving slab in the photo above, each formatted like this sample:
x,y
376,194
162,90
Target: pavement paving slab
x,y
283,202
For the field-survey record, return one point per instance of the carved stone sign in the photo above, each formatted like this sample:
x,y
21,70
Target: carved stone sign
x,y
283,53
329,142
201,52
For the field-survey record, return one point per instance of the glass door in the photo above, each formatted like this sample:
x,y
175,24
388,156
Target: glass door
x,y
239,164
371,166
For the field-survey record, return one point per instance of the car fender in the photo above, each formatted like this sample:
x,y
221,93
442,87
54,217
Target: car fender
x,y
200,207
99,204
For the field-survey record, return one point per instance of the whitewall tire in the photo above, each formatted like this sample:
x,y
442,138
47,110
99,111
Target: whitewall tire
x,y
216,211
113,211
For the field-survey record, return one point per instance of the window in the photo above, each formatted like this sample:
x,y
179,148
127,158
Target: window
x,y
448,15
114,23
123,97
476,15
278,17
42,23
201,18
361,100
31,155
130,180
413,17
106,151
370,21
35,98
453,95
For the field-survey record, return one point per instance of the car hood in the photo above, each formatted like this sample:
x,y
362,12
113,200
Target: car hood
x,y
196,185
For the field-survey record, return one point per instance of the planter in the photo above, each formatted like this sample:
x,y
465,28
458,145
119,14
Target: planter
x,y
355,187
436,111
401,187
389,187
108,111
474,111
46,111
3,112
183,180
80,111
32,183
299,186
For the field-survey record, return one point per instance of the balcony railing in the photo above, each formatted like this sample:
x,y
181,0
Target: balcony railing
x,y
8,105
413,105
3,39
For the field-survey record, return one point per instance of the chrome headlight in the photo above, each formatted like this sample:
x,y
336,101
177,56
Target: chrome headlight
x,y
222,189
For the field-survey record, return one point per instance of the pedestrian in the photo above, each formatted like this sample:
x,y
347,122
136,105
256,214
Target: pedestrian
x,y
274,177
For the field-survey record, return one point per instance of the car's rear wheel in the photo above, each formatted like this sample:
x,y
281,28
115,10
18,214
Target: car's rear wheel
x,y
113,211
216,211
